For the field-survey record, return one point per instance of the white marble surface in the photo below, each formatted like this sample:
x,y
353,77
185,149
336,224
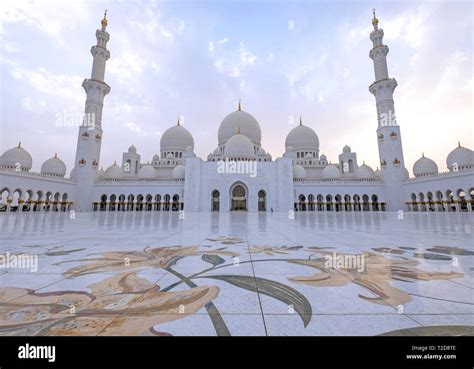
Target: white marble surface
x,y
240,294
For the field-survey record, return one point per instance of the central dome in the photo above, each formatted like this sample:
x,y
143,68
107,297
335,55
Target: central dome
x,y
302,138
239,120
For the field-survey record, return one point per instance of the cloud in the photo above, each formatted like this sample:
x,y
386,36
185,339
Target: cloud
x,y
229,60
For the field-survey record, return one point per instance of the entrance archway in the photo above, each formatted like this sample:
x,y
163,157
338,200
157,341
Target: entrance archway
x,y
262,197
238,196
215,200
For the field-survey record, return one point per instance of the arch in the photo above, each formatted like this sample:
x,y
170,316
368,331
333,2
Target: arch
x,y
375,202
365,203
167,201
139,205
338,202
440,201
121,203
422,204
158,202
414,202
461,195
320,202
430,202
149,202
347,203
4,199
311,205
176,205
112,202
351,165
471,196
130,202
329,203
238,196
262,200
215,203
451,205
302,202
357,206
103,202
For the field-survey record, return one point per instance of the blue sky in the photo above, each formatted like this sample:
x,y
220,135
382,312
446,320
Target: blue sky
x,y
196,59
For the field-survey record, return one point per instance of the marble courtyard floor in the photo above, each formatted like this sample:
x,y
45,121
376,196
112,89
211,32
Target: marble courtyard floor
x,y
152,273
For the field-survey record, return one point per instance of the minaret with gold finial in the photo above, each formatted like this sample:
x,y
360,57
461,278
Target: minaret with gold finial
x,y
388,131
90,132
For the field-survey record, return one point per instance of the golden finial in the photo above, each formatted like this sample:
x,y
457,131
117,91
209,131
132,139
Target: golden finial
x,y
239,108
104,20
375,21
301,120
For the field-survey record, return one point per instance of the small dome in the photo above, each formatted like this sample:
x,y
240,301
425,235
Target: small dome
x,y
176,138
242,121
261,151
331,172
299,172
147,172
217,151
302,137
15,156
100,173
156,157
54,167
364,172
308,156
346,149
169,156
323,158
132,149
239,146
113,172
462,157
377,174
424,166
178,172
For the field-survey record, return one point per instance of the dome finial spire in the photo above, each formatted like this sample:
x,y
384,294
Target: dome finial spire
x,y
301,120
104,21
19,144
459,143
239,108
178,121
375,21
55,154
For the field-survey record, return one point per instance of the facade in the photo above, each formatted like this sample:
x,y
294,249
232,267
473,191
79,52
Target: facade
x,y
239,174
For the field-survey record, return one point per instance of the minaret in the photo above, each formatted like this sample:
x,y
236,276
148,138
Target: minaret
x,y
388,131
90,133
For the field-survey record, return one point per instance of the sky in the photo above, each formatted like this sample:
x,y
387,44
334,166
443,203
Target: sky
x,y
196,59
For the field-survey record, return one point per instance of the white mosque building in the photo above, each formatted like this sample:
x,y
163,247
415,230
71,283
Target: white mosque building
x,y
239,174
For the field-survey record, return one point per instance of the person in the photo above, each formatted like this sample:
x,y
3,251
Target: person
x,y
271,209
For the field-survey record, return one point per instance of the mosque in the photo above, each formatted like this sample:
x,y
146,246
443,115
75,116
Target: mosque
x,y
239,175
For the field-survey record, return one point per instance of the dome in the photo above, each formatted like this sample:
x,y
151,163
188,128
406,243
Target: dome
x,y
346,149
169,156
15,156
460,156
176,138
299,172
156,157
54,167
323,158
331,172
100,173
178,172
132,149
113,172
302,137
217,151
364,172
239,120
147,172
261,151
239,146
424,166
377,173
308,156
